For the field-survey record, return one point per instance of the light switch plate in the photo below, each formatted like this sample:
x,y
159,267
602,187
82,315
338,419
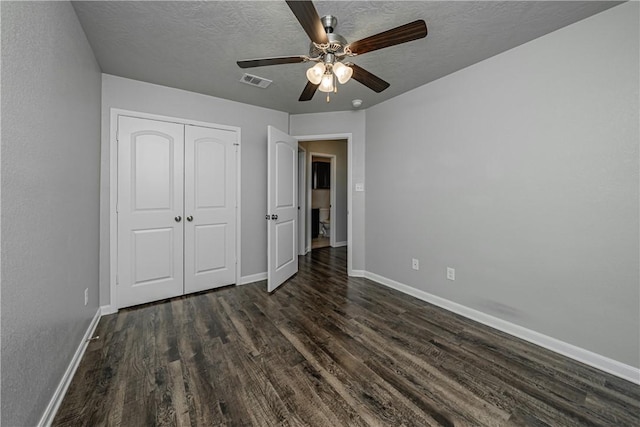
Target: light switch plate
x,y
360,187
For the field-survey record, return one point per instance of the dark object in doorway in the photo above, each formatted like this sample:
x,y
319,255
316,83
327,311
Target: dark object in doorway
x,y
315,223
321,175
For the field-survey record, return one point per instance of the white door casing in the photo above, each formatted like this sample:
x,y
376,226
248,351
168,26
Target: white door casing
x,y
210,208
350,190
150,210
302,207
282,194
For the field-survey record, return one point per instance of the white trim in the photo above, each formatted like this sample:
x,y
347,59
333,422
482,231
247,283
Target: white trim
x,y
585,356
113,201
113,188
106,310
349,138
238,206
252,278
357,273
340,244
302,205
50,412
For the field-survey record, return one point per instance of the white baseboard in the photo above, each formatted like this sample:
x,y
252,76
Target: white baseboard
x,y
61,390
108,309
587,357
358,273
340,244
253,278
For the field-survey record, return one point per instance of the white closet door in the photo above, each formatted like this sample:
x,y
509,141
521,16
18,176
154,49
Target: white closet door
x,y
210,208
150,210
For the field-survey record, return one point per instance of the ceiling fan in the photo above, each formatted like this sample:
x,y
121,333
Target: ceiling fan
x,y
329,51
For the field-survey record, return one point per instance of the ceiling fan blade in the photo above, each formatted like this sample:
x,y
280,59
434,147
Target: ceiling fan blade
x,y
308,92
368,79
261,62
308,17
402,34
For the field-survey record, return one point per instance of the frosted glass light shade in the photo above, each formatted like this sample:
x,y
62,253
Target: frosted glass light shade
x,y
326,85
315,73
342,72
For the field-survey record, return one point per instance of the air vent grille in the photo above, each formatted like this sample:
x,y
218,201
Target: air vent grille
x,y
252,80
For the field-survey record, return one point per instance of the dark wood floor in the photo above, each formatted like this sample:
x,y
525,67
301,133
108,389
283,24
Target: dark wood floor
x,y
327,350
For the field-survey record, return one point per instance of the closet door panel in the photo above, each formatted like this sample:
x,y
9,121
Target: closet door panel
x,y
210,247
210,208
150,198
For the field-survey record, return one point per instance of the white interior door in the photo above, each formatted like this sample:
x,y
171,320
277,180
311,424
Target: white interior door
x,y
150,209
210,208
281,207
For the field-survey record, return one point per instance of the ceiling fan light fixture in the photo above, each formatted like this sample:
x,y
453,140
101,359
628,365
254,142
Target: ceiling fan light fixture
x,y
328,49
342,72
315,73
326,85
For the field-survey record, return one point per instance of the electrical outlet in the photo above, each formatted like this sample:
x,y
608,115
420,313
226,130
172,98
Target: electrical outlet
x,y
86,296
451,273
415,264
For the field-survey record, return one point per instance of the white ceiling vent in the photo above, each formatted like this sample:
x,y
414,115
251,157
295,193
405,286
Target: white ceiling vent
x,y
255,81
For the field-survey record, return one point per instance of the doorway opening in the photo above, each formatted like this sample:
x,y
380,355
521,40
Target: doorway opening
x,y
324,197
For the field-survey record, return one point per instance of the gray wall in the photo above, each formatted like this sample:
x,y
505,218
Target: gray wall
x,y
339,149
138,96
334,123
522,173
50,160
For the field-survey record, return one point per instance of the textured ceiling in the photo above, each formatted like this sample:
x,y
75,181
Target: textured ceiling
x,y
194,45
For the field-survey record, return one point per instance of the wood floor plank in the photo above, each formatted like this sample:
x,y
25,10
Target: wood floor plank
x,y
379,392
428,378
328,350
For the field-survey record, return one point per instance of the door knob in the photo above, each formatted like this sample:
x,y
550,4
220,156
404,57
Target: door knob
x,y
189,218
178,218
274,216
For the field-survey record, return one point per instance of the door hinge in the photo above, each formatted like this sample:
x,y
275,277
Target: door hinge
x,y
236,144
117,280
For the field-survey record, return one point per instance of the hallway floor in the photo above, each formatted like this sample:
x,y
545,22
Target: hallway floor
x,y
320,242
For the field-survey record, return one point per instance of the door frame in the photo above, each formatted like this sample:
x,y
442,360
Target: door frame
x,y
349,138
113,190
332,197
302,205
